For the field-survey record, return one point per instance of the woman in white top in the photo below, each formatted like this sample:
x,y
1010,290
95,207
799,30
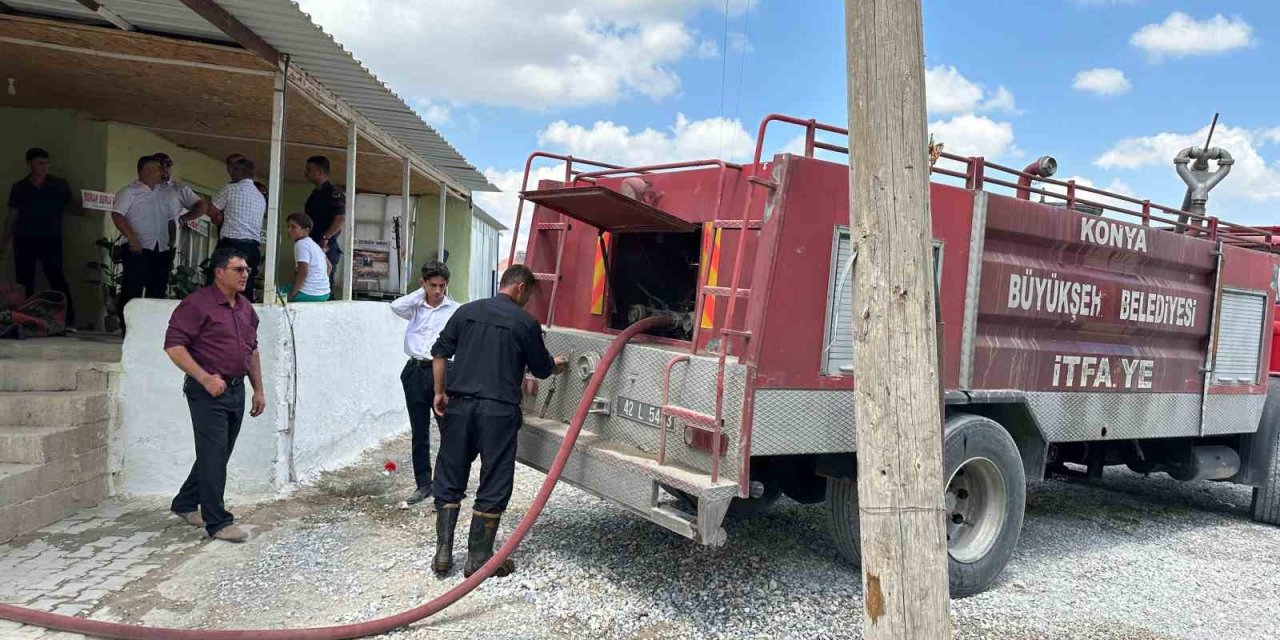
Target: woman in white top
x,y
311,283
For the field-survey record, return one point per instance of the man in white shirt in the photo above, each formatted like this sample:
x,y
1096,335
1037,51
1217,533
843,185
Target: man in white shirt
x,y
311,280
145,212
427,309
239,208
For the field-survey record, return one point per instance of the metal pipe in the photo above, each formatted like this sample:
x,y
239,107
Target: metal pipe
x,y
444,199
349,229
1043,167
407,214
275,181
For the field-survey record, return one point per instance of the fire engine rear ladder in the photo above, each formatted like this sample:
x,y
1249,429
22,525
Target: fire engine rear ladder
x,y
703,422
554,277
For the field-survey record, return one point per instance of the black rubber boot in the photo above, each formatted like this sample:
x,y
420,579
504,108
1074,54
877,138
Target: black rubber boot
x,y
446,522
484,531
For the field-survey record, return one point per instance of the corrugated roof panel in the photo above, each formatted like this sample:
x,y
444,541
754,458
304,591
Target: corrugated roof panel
x,y
284,25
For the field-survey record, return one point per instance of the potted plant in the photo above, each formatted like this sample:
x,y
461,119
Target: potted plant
x,y
109,275
186,279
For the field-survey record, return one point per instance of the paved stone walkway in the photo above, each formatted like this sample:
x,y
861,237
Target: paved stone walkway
x,y
70,566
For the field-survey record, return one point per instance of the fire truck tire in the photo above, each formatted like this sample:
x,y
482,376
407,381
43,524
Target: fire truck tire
x,y
986,494
1266,497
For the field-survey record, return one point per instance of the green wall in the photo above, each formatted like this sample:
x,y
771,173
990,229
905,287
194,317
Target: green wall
x,y
457,241
77,149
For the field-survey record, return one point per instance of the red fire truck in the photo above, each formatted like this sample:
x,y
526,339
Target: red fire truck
x,y
1077,327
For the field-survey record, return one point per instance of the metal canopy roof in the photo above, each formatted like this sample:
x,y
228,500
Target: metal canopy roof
x,y
283,25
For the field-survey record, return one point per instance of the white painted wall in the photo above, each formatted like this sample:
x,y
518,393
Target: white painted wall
x,y
484,260
349,356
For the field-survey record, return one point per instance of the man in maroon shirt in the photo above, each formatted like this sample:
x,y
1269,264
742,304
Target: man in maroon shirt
x,y
213,338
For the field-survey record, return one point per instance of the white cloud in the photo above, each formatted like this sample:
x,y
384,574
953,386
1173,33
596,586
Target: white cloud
x,y
1104,81
1253,179
434,113
708,49
687,140
617,144
738,43
534,54
973,135
1180,35
949,91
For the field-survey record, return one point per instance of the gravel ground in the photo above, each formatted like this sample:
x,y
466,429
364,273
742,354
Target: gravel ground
x,y
1128,558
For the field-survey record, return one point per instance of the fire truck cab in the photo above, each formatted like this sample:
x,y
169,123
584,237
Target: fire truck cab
x,y
1078,329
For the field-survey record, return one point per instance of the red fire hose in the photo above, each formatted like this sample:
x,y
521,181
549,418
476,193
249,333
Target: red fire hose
x,y
371,627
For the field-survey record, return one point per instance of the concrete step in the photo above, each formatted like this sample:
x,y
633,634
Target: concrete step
x,y
38,445
53,408
22,482
54,375
30,515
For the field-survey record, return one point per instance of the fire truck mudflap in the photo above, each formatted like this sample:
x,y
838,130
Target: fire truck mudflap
x,y
621,454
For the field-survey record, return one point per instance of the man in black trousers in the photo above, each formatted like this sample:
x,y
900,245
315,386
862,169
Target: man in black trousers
x,y
36,206
492,342
213,338
427,309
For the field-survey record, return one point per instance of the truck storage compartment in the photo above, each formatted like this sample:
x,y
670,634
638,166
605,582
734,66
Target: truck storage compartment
x,y
654,274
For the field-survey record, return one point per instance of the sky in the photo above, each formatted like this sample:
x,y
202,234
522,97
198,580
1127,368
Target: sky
x,y
1112,89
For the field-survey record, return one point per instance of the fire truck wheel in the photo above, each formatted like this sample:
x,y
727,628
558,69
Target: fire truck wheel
x,y
986,491
985,496
1266,498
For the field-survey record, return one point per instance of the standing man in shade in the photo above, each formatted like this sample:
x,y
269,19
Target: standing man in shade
x,y
145,212
327,206
427,309
36,206
213,339
240,207
492,341
182,193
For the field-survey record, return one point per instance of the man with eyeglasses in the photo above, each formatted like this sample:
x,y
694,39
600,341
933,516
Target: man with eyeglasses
x,y
213,338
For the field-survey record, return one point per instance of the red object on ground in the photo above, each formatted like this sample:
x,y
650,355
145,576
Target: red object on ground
x,y
390,466
98,628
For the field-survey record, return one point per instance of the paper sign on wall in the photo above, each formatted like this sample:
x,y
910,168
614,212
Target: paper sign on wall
x,y
99,200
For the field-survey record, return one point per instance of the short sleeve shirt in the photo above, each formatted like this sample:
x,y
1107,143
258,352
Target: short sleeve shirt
x,y
242,206
324,204
149,212
40,208
317,282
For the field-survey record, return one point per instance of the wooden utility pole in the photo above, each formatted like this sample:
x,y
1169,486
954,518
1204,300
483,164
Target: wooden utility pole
x,y
900,491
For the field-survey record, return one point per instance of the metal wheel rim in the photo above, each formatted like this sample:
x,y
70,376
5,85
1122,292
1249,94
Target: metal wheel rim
x,y
976,509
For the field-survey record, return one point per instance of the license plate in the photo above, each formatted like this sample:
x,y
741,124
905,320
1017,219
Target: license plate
x,y
641,412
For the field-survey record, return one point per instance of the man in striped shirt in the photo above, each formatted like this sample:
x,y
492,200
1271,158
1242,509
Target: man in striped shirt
x,y
239,208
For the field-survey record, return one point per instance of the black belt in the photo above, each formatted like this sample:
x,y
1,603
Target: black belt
x,y
231,382
420,363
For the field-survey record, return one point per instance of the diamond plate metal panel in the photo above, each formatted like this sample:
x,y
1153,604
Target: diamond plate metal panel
x,y
793,421
1078,417
637,375
1235,413
538,450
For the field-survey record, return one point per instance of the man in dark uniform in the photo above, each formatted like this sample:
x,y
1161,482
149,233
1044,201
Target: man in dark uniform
x,y
36,205
492,342
327,206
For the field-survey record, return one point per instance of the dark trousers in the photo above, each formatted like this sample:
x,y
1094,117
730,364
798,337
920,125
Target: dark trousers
x,y
252,250
419,391
48,252
145,273
216,422
472,427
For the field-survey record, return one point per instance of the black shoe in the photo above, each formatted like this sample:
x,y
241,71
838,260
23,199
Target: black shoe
x,y
484,531
417,496
446,522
